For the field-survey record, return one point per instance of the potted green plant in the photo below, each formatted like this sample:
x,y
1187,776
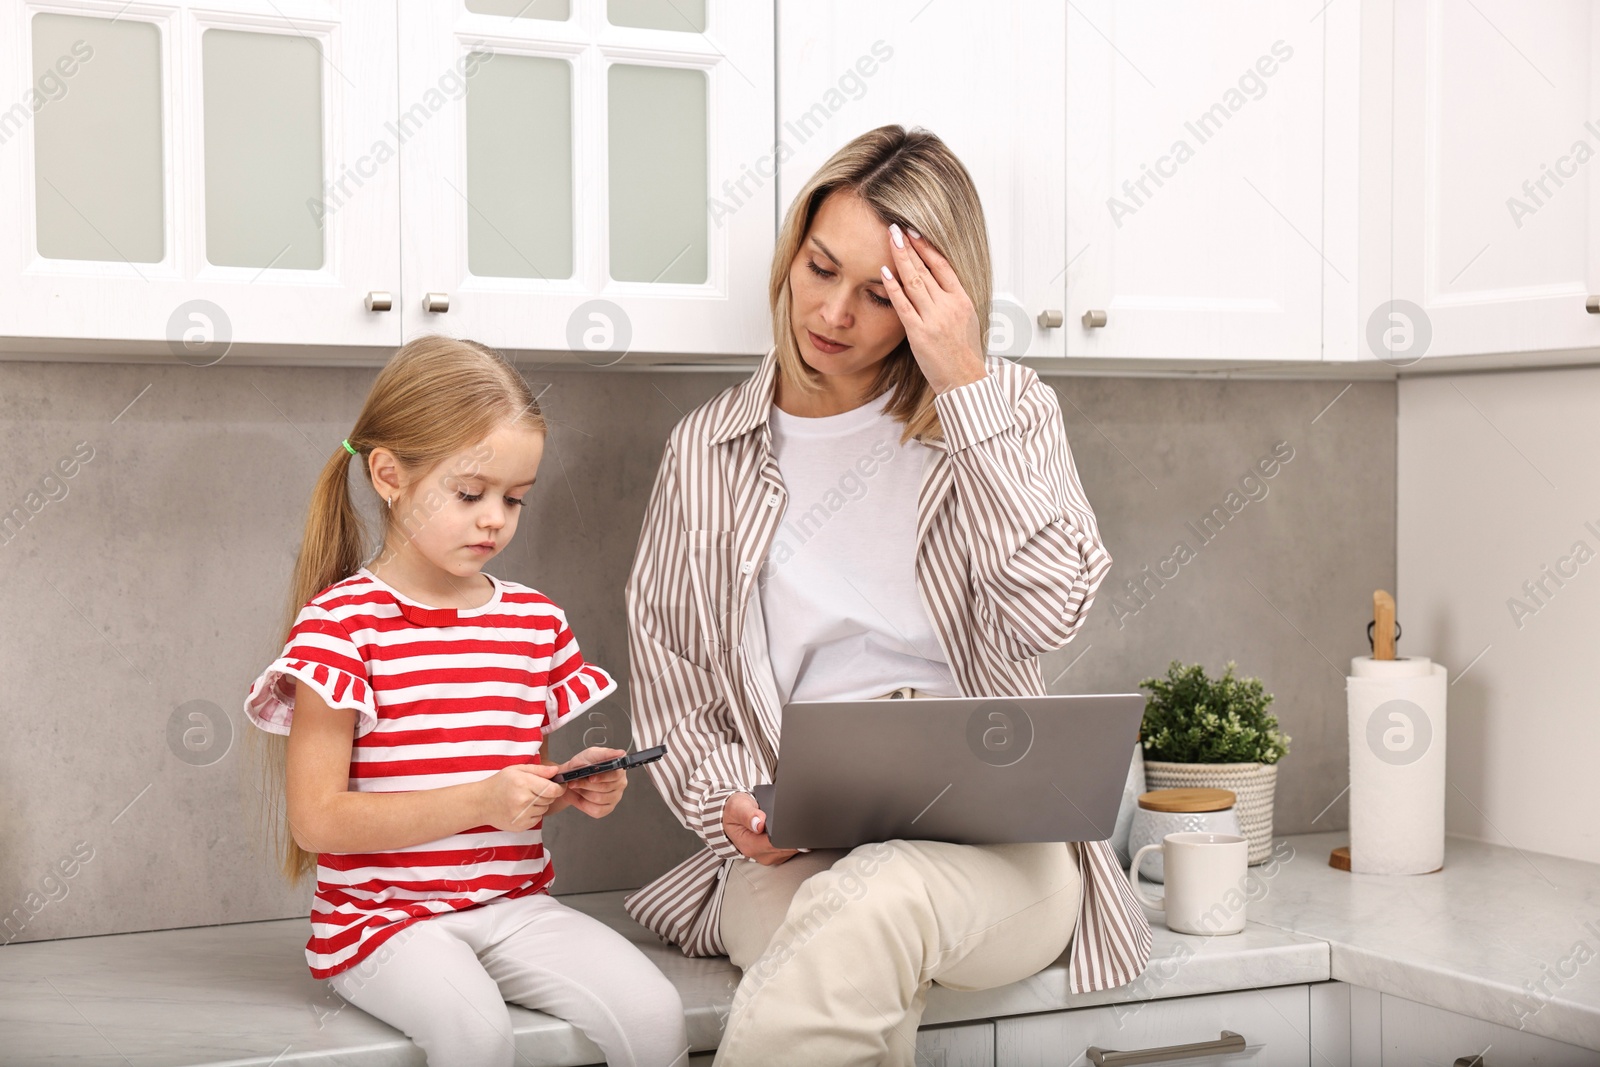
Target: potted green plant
x,y
1215,732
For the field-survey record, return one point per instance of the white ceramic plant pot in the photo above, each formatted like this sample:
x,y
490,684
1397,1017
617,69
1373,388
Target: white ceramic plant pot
x,y
1253,784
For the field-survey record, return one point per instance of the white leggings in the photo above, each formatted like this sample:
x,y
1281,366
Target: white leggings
x,y
445,981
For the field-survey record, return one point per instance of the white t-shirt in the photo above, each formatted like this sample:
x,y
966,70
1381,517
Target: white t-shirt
x,y
839,589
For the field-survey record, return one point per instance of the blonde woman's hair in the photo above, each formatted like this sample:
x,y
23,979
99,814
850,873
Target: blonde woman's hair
x,y
437,397
908,178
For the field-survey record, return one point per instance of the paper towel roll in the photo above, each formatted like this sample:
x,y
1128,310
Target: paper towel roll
x,y
1407,667
1397,749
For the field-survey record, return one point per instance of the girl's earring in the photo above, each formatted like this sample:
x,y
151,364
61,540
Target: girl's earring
x,y
391,502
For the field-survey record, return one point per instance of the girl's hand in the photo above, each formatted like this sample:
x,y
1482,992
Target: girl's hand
x,y
516,797
746,826
940,321
597,795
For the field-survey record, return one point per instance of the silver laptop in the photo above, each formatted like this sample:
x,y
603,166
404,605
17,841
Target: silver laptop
x,y
971,770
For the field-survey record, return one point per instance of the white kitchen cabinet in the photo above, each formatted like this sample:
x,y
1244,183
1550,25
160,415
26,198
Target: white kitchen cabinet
x,y
1197,170
989,80
197,174
1352,1026
1274,1023
593,186
577,175
1494,174
964,1045
1234,182
1418,1033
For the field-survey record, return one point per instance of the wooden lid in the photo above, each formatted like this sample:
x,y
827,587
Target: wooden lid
x,y
1191,799
1339,860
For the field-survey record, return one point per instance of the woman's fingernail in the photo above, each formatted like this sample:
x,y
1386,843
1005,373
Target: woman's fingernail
x,y
915,236
895,235
888,277
755,824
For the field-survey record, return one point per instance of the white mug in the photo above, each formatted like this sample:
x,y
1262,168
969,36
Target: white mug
x,y
1203,873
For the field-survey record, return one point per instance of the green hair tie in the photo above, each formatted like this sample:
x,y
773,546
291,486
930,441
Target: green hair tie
x,y
347,447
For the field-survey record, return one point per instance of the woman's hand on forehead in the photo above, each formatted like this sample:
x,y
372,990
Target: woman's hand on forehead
x,y
940,321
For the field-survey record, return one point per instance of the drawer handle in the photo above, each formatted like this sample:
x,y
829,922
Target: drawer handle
x,y
1470,1061
1104,1057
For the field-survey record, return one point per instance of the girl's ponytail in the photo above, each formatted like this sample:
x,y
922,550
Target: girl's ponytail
x,y
330,551
333,547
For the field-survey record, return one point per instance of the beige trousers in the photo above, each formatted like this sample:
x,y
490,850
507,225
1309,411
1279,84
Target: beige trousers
x,y
838,948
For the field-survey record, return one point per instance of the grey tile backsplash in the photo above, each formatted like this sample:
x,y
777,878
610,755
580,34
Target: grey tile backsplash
x,y
155,513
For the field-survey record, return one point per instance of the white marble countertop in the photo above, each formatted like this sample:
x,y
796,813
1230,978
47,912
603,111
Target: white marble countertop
x,y
241,995
1499,934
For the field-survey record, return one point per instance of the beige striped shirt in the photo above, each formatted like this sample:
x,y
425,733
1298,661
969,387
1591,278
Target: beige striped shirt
x,y
1008,561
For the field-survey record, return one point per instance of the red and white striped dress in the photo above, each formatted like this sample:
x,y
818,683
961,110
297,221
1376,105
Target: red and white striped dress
x,y
443,696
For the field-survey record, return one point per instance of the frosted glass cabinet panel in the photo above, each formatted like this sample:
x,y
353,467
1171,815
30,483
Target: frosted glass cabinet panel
x,y
101,83
657,162
229,162
684,16
576,183
558,10
263,149
519,167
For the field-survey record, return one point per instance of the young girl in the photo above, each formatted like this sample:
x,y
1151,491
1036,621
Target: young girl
x,y
410,706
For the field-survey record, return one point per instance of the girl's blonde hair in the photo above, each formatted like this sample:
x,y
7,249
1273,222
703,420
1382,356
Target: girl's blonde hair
x,y
908,178
437,397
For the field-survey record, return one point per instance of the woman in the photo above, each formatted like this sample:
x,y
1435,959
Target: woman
x,y
764,576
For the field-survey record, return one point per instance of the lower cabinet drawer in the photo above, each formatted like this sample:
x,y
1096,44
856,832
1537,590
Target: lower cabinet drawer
x,y
961,1045
966,1045
1275,1024
1420,1033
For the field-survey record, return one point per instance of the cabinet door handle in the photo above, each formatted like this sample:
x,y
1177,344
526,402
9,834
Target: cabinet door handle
x,y
437,303
1104,1057
1593,305
1470,1061
1092,319
378,300
1050,319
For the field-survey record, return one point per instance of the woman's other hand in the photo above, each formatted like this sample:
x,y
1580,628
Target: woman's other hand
x,y
746,826
941,323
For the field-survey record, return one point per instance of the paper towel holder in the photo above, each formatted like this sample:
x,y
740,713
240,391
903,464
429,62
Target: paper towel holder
x,y
1371,645
1383,614
1382,610
1339,860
